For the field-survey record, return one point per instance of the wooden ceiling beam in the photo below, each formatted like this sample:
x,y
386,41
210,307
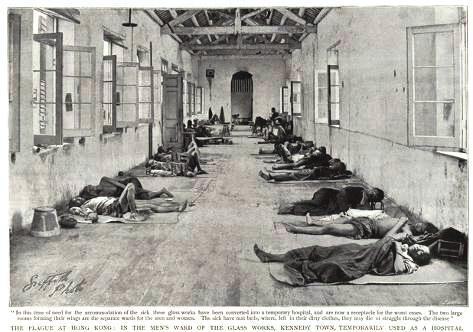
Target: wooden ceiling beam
x,y
239,46
317,20
229,30
210,23
225,15
321,15
253,13
290,15
268,21
237,21
154,16
283,20
173,13
181,18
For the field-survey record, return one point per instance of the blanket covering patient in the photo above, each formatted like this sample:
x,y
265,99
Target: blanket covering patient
x,y
346,262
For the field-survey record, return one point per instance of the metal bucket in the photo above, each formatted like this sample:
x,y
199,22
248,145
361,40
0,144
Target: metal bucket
x,y
45,223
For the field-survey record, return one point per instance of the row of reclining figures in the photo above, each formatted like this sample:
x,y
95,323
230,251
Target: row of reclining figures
x,y
349,212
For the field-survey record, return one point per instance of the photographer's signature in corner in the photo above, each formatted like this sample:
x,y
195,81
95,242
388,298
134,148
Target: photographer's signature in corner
x,y
55,284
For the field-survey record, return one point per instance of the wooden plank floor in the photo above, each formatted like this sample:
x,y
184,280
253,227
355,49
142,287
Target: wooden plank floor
x,y
206,258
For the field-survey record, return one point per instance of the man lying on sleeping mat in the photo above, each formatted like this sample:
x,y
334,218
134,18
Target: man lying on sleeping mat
x,y
315,158
327,201
347,262
113,187
363,227
117,207
335,170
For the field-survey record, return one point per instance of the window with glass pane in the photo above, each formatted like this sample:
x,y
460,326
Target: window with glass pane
x,y
435,80
145,94
157,91
47,88
142,57
127,94
109,93
321,95
285,99
78,90
175,69
192,99
296,89
164,66
185,97
333,95
198,100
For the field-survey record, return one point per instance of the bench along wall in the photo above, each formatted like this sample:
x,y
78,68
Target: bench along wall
x,y
372,137
46,178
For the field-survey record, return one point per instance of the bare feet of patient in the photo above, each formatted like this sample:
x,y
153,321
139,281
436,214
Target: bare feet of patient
x,y
290,228
263,256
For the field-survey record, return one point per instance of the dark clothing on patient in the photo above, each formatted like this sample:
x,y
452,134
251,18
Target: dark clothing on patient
x,y
326,201
105,188
341,263
314,160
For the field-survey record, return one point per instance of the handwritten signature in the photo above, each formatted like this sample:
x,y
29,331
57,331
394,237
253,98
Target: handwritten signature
x,y
55,284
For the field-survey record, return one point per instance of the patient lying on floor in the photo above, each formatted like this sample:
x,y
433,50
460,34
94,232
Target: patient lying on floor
x,y
124,206
347,262
327,201
315,157
113,187
363,227
335,170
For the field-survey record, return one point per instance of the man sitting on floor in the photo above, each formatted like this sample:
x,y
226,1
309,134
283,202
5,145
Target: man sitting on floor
x,y
114,187
278,134
361,227
193,160
118,207
341,263
335,170
327,201
189,163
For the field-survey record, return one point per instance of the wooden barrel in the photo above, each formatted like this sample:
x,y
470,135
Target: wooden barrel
x,y
45,223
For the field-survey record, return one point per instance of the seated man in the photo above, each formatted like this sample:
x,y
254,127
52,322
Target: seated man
x,y
347,262
315,158
278,134
117,207
326,201
274,114
192,160
188,165
335,170
362,227
114,188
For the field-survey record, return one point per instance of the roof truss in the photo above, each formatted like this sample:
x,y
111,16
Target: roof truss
x,y
216,31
